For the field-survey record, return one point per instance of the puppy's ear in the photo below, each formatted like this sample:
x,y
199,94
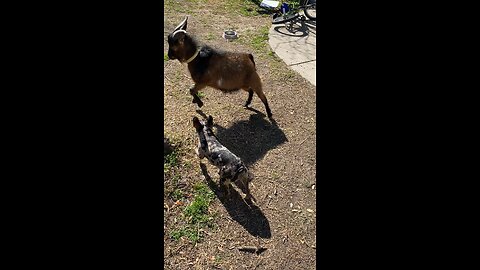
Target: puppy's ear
x,y
210,121
196,123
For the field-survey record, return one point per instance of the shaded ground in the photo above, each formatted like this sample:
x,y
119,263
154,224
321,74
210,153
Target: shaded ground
x,y
280,153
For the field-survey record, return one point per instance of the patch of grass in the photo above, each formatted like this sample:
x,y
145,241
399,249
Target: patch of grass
x,y
275,176
177,6
259,41
210,36
178,77
177,195
248,11
188,165
280,71
196,214
189,232
165,57
171,160
243,7
197,211
273,55
200,94
175,179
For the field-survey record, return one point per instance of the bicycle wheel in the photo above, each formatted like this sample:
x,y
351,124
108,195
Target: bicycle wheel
x,y
284,18
310,11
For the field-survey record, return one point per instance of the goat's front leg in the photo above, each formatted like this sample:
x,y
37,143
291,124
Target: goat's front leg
x,y
193,91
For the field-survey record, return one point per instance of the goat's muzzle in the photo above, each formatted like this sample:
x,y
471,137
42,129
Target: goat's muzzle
x,y
171,57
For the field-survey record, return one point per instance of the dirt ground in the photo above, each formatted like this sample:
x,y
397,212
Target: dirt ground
x,y
280,153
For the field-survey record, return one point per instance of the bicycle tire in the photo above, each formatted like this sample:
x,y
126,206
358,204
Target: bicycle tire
x,y
284,18
311,11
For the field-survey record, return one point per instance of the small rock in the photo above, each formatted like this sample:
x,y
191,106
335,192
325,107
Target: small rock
x,y
313,186
309,210
291,205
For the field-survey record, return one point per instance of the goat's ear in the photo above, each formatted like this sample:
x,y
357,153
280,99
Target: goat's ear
x,y
182,25
196,123
210,121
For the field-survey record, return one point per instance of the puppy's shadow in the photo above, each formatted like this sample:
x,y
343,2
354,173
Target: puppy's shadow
x,y
247,215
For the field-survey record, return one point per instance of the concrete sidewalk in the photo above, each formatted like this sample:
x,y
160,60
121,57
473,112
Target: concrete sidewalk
x,y
296,46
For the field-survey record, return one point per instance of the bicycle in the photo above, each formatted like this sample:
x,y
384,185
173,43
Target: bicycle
x,y
309,8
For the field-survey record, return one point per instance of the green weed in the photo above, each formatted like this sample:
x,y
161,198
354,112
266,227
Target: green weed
x,y
197,211
177,195
170,161
191,233
200,94
210,36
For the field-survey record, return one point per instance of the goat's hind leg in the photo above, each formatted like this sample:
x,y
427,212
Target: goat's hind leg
x,y
250,96
256,85
194,92
265,102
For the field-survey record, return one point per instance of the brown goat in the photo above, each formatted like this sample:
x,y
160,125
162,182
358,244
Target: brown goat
x,y
226,71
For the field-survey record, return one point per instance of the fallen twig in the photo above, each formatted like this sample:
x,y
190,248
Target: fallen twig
x,y
168,78
252,249
304,141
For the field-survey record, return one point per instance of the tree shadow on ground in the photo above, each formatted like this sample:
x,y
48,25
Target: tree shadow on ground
x,y
250,139
247,215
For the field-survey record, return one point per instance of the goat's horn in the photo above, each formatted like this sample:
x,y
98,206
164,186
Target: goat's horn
x,y
181,24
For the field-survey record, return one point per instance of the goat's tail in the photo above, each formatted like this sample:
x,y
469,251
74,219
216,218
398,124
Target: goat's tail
x,y
251,58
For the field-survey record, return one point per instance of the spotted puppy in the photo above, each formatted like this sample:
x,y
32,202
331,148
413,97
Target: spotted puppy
x,y
231,167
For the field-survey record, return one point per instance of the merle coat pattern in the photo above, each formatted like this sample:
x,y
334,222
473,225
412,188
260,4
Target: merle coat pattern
x,y
231,168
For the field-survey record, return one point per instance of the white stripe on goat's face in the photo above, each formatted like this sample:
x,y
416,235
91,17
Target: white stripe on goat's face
x,y
178,31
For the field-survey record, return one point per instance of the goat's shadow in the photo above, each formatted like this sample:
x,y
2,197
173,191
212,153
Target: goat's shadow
x,y
247,215
250,139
